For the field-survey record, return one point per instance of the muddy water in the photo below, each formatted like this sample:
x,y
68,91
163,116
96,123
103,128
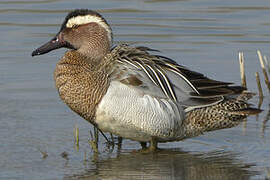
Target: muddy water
x,y
204,35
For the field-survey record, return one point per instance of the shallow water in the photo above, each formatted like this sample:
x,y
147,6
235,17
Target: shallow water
x,y
204,35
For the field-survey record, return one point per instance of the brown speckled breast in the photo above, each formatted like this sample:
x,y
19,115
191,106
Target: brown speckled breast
x,y
80,84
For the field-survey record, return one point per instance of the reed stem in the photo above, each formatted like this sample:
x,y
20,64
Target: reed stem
x,y
266,79
76,135
259,85
242,69
266,63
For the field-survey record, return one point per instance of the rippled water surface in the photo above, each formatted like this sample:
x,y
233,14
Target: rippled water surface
x,y
205,35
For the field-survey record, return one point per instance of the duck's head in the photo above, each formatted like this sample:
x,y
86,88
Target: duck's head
x,y
83,30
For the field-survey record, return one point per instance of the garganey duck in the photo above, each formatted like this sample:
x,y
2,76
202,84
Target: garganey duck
x,y
132,93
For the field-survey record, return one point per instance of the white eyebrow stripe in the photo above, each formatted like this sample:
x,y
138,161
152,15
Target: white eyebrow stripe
x,y
80,20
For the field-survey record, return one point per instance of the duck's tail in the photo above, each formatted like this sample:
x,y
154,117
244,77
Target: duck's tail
x,y
225,114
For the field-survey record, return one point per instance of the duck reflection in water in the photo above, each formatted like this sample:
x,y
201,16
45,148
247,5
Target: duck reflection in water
x,y
169,164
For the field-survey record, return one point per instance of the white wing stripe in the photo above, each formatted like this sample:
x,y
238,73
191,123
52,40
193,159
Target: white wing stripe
x,y
159,81
168,84
146,71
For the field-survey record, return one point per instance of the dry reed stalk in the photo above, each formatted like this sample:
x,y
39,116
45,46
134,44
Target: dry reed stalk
x,y
242,69
93,142
44,154
266,63
266,79
96,135
244,126
76,135
259,85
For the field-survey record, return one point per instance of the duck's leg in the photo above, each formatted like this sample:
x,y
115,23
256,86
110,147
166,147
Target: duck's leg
x,y
144,145
153,145
119,139
119,143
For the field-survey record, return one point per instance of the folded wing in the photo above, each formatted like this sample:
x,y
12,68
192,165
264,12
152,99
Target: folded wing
x,y
137,67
